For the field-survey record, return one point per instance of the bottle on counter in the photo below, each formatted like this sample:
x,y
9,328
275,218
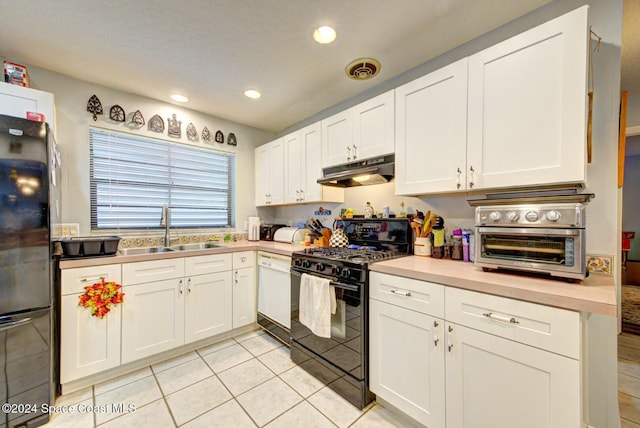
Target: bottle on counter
x,y
465,245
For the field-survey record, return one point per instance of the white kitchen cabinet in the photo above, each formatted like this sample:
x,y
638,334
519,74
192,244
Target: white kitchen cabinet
x,y
269,173
499,383
527,107
152,318
512,115
244,289
431,132
406,346
475,360
208,305
17,100
88,344
360,132
303,155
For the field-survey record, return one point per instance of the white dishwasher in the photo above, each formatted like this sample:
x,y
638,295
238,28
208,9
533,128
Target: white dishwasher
x,y
274,295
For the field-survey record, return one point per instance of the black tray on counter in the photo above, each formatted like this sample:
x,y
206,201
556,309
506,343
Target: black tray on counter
x,y
89,247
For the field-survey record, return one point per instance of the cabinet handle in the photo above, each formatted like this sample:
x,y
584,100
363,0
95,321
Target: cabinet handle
x,y
435,323
402,293
189,285
435,341
458,185
348,153
243,259
471,170
93,279
236,279
180,287
499,318
450,343
354,152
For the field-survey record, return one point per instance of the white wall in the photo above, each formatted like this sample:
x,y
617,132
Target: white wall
x,y
73,121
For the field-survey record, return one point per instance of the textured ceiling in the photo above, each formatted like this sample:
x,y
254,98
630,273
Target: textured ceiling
x,y
212,50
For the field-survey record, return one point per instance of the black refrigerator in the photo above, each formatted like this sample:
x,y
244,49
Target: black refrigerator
x,y
28,207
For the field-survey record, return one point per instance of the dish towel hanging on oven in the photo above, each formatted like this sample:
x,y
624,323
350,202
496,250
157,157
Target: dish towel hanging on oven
x,y
317,303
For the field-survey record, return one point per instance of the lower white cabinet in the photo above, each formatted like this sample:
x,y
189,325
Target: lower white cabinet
x,y
152,318
244,289
499,383
208,306
503,363
88,344
407,361
167,303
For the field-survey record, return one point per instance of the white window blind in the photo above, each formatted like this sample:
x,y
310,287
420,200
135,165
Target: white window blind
x,y
132,177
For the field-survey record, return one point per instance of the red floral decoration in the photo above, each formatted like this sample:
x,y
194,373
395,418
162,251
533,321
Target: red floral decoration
x,y
100,297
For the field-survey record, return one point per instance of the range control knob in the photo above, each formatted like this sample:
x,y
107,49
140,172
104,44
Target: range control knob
x,y
298,262
553,215
531,216
513,215
335,270
306,264
494,215
319,267
346,272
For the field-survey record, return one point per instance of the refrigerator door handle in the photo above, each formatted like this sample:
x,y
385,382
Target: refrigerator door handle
x,y
14,324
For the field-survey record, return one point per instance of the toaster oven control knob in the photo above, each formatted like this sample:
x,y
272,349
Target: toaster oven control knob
x,y
531,216
494,216
553,215
513,215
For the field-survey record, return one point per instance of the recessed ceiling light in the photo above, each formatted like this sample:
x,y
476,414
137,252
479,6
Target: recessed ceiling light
x,y
324,35
252,93
179,98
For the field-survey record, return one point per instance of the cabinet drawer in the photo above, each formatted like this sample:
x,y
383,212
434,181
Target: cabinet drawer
x,y
244,259
556,330
74,280
421,296
207,264
155,270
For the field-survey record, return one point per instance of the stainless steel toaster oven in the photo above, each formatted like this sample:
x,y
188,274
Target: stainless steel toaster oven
x,y
544,237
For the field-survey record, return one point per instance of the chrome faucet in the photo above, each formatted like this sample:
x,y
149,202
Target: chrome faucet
x,y
165,221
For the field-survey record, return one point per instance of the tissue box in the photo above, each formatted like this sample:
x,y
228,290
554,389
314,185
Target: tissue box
x,y
16,74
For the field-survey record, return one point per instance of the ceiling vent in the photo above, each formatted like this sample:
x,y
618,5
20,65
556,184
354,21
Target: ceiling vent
x,y
363,69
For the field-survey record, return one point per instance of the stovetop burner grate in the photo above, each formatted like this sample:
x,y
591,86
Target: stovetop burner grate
x,y
349,255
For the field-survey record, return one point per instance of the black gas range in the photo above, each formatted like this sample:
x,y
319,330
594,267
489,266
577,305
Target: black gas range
x,y
342,360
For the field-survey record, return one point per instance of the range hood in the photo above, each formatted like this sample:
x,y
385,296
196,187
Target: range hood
x,y
364,172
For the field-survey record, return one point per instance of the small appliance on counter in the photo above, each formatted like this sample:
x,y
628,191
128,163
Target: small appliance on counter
x,y
290,235
268,230
254,229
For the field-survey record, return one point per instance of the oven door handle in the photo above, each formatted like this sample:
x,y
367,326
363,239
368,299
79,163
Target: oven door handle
x,y
532,231
334,283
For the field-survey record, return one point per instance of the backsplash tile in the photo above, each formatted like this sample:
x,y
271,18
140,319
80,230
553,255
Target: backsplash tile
x,y
600,264
156,241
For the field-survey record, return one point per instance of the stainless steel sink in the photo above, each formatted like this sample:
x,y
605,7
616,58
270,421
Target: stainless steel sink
x,y
198,246
145,250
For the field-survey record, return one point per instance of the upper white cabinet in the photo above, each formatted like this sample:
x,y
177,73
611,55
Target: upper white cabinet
x,y
360,132
302,151
527,107
512,115
17,100
269,173
431,132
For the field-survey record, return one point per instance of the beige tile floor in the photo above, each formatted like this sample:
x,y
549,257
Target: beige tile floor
x,y
246,381
250,381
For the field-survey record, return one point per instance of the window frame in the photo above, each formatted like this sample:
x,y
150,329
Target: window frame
x,y
175,171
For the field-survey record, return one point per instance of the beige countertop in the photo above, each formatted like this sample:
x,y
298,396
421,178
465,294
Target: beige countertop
x,y
595,294
231,247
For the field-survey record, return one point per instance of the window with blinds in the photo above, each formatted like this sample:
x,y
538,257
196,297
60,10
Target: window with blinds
x,y
132,177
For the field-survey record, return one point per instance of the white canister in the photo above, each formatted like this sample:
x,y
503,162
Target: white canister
x,y
422,247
